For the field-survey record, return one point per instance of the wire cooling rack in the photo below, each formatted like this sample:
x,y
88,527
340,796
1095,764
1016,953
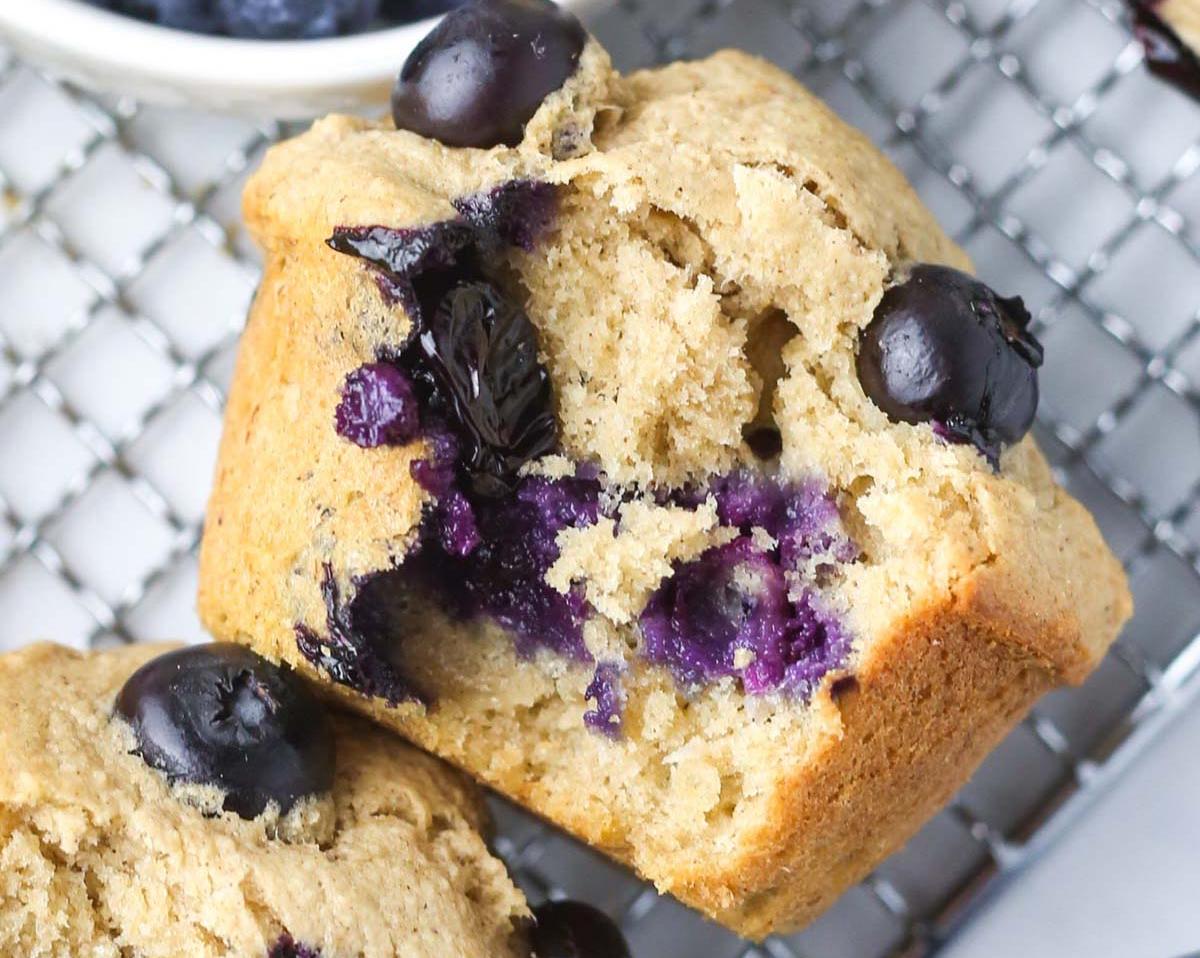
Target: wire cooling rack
x,y
1029,127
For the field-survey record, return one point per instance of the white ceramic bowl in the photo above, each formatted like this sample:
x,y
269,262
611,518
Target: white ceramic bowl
x,y
291,79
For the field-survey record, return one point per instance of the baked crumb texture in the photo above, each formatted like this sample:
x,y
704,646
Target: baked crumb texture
x,y
99,858
722,240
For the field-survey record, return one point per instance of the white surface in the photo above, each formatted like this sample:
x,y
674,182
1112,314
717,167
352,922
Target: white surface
x,y
1124,881
112,53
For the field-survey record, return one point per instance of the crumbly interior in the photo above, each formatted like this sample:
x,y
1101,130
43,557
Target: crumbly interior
x,y
100,857
723,239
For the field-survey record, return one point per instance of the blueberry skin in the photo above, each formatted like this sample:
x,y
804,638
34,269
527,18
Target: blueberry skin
x,y
222,715
294,19
480,75
944,348
199,16
571,929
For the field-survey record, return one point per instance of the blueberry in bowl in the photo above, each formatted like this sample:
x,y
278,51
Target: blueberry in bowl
x,y
696,507
113,843
287,59
277,19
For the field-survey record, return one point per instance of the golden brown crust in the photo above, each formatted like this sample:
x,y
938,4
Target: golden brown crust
x,y
914,723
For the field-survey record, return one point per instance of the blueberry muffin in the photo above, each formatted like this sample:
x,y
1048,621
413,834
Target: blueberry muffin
x,y
642,446
1170,32
203,803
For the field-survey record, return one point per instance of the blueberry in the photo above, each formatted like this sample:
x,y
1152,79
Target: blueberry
x,y
944,348
199,16
482,352
294,19
480,75
571,929
406,11
222,715
378,407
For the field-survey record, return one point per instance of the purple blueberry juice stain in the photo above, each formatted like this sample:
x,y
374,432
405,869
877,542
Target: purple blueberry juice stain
x,y
802,517
469,383
503,577
516,213
288,947
605,692
378,407
728,613
359,647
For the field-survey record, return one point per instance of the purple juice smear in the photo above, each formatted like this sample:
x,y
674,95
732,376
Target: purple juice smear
x,y
605,691
470,378
731,612
288,947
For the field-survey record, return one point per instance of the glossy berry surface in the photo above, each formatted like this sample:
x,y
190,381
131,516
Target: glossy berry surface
x,y
294,19
223,716
943,348
480,75
378,407
572,929
482,351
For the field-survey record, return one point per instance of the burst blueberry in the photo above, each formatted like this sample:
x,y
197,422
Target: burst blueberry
x,y
482,351
943,348
223,716
478,78
572,929
378,407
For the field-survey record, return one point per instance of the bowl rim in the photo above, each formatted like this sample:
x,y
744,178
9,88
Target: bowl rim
x,y
122,43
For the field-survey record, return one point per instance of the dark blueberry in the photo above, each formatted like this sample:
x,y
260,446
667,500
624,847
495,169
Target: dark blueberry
x,y
1167,56
406,11
516,213
482,351
361,645
419,264
572,929
199,16
765,442
944,348
222,715
378,407
294,19
288,947
480,75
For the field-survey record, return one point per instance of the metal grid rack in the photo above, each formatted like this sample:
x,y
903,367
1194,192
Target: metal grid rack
x,y
1028,126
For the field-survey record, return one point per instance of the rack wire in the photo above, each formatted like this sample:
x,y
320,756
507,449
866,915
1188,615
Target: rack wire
x,y
1030,128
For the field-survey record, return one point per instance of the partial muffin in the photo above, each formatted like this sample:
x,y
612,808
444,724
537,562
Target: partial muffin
x,y
265,827
1170,33
649,454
